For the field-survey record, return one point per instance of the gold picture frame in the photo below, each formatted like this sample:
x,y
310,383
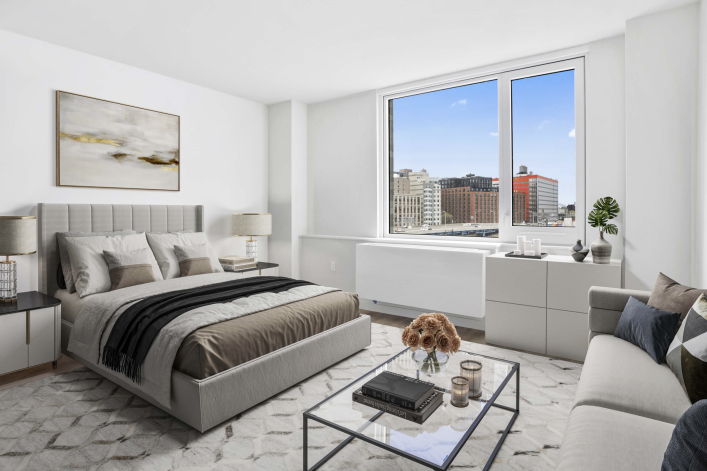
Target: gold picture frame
x,y
106,144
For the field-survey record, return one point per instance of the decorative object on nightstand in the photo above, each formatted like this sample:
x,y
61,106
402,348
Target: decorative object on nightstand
x,y
30,332
18,236
236,262
251,225
605,209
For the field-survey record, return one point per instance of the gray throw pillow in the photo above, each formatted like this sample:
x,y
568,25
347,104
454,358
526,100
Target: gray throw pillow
x,y
648,328
64,253
669,295
129,268
193,259
687,354
687,450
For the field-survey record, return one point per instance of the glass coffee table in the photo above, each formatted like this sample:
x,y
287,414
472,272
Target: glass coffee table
x,y
434,443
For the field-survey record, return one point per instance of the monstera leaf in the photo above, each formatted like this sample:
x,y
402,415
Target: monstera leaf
x,y
608,205
598,218
611,229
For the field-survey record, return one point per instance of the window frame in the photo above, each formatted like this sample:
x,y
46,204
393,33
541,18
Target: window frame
x,y
503,76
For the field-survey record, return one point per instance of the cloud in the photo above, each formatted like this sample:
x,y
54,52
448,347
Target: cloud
x,y
460,103
542,125
495,134
572,134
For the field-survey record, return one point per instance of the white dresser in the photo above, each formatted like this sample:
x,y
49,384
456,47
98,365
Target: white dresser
x,y
541,305
30,332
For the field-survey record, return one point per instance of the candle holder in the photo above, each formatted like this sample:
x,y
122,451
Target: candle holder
x,y
460,392
471,370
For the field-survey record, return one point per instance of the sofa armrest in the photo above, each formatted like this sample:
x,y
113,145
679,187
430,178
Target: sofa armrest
x,y
606,306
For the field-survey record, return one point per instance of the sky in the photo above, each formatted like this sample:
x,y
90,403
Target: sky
x,y
454,131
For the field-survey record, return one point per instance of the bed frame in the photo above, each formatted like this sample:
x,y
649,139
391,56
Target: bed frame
x,y
204,403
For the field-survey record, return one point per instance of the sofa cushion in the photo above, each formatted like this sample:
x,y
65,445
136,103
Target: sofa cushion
x,y
687,355
605,439
687,450
620,376
669,295
648,328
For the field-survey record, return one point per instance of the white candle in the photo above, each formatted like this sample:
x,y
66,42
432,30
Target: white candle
x,y
520,244
528,246
517,252
530,253
537,246
460,392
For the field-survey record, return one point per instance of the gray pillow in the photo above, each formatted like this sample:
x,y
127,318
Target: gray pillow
x,y
129,268
687,450
64,253
669,295
648,328
193,259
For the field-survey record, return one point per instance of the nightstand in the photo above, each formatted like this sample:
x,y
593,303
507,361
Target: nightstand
x,y
269,268
30,332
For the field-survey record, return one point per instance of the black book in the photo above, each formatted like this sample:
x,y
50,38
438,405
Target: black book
x,y
418,416
398,389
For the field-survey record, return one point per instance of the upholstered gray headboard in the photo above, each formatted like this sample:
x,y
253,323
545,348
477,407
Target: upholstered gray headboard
x,y
53,218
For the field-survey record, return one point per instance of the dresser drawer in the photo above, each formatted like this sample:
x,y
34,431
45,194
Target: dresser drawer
x,y
567,334
517,281
516,326
568,283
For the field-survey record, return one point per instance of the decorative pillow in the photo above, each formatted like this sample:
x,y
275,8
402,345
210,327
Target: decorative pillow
x,y
669,295
687,354
88,266
60,282
687,450
193,259
648,328
64,253
163,247
129,268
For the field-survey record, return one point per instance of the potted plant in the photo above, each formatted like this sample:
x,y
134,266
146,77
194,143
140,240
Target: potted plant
x,y
605,209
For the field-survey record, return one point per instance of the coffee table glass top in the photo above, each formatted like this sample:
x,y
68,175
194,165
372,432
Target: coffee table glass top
x,y
447,427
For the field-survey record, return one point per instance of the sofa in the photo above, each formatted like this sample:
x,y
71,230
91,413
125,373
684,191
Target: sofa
x,y
626,406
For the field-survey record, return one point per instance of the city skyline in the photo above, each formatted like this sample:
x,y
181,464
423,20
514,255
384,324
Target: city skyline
x,y
461,124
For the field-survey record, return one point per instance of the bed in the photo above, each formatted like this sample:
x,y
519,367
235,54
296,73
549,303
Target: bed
x,y
221,368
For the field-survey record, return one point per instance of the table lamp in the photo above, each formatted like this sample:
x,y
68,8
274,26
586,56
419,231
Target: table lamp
x,y
18,236
250,225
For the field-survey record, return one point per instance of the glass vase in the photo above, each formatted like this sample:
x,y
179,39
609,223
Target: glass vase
x,y
430,363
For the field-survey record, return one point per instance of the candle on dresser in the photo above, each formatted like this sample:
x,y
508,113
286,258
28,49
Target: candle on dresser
x,y
517,252
528,246
530,253
460,392
520,244
537,246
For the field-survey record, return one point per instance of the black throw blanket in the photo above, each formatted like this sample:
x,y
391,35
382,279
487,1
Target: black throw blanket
x,y
137,327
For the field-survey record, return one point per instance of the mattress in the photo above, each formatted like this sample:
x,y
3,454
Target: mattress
x,y
218,347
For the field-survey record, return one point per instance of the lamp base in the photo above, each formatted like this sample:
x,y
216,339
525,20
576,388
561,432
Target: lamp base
x,y
251,249
8,281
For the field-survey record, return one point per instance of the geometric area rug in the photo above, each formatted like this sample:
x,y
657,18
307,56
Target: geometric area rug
x,y
79,420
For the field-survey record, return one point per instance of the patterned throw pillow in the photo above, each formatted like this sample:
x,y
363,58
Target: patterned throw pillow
x,y
130,268
687,354
193,259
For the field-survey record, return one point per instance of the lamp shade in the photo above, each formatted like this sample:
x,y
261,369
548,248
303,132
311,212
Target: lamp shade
x,y
251,224
18,235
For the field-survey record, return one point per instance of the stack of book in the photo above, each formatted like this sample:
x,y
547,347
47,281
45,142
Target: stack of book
x,y
400,395
236,262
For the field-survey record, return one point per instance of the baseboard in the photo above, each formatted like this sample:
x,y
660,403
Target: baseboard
x,y
411,312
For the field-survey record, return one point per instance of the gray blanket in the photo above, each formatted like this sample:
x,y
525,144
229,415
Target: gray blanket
x,y
100,311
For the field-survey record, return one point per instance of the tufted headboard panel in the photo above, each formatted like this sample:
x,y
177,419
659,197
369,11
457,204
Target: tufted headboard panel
x,y
53,218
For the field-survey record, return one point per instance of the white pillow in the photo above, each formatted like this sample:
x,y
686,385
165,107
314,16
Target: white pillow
x,y
89,266
163,247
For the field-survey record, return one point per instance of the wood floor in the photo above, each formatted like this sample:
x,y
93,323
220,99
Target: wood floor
x,y
65,363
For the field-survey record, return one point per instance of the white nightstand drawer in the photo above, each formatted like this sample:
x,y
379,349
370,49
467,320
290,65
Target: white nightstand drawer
x,y
41,336
13,342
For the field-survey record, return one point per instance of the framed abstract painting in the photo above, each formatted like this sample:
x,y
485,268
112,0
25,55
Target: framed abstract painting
x,y
102,144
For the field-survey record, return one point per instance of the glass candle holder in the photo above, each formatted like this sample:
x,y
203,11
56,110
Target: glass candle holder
x,y
460,392
471,370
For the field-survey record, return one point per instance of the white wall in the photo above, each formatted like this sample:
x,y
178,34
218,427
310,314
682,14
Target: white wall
x,y
287,155
223,139
342,166
343,169
699,213
661,86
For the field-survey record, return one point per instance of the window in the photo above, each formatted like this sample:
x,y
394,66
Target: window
x,y
504,152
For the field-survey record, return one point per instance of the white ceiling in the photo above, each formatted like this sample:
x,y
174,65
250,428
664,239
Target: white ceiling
x,y
313,50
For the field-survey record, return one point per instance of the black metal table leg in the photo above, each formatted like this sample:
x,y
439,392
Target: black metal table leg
x,y
304,445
